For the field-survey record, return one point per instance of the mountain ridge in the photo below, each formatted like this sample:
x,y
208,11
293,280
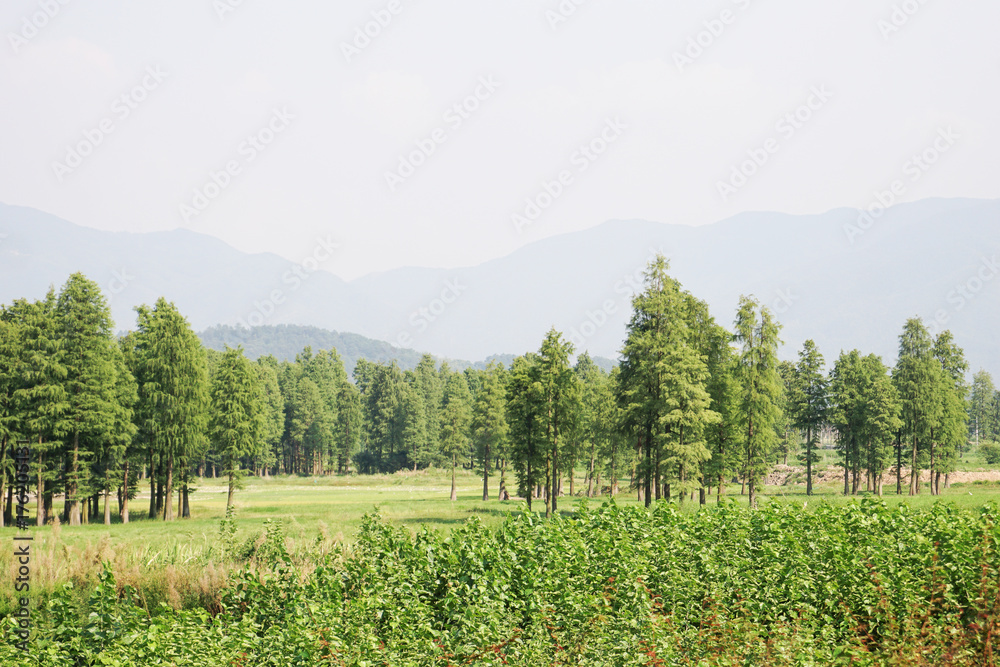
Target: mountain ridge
x,y
845,289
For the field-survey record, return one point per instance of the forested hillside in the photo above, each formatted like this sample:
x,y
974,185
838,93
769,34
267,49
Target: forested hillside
x,y
284,341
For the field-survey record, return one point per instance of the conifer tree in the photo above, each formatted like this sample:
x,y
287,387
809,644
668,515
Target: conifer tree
x,y
489,420
456,418
760,388
173,395
663,384
525,410
809,403
349,424
917,377
238,416
88,350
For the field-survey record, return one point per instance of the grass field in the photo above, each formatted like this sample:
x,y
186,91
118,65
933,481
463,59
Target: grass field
x,y
185,563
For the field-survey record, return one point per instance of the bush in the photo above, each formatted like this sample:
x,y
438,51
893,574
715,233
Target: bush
x,y
991,452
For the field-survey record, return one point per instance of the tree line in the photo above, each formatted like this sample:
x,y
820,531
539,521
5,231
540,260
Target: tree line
x,y
692,408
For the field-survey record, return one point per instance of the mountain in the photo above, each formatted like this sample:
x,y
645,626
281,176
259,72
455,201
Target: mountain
x,y
841,278
285,341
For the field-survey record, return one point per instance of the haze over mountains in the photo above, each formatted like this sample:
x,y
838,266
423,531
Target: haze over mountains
x,y
843,282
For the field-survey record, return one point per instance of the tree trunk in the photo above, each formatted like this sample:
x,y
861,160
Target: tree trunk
x,y
186,507
556,477
124,501
648,484
899,465
503,494
71,486
232,484
39,501
454,464
590,472
752,488
548,481
168,507
809,462
486,473
152,488
107,507
914,473
3,477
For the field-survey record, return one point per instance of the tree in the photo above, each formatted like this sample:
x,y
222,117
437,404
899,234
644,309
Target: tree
x,y
865,411
788,435
304,410
917,379
11,353
525,409
951,432
274,414
38,399
489,420
349,424
456,418
88,354
428,383
238,415
414,422
724,436
980,401
612,445
663,383
113,458
760,387
809,403
587,435
560,396
173,395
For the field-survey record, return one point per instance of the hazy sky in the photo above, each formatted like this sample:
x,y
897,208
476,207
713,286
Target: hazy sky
x,y
126,116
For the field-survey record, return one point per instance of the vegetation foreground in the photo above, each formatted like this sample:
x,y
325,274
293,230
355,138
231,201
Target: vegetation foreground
x,y
867,583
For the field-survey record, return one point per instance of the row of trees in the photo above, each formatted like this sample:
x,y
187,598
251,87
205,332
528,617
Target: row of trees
x,y
692,407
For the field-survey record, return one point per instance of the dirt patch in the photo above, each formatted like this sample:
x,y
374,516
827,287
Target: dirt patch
x,y
780,476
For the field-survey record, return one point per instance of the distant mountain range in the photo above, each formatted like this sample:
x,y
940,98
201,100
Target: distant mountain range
x,y
842,278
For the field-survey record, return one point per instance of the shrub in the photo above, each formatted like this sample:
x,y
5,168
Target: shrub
x,y
990,451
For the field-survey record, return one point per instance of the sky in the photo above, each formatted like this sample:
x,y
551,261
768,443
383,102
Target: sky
x,y
445,133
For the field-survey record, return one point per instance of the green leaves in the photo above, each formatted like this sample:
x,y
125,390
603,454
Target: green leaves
x,y
863,584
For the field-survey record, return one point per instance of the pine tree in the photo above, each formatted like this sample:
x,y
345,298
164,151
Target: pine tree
x,y
238,415
88,354
723,437
980,402
525,410
428,384
663,384
274,415
917,379
11,354
414,436
489,420
612,447
349,424
951,432
456,418
173,395
587,434
809,403
560,393
113,456
760,388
